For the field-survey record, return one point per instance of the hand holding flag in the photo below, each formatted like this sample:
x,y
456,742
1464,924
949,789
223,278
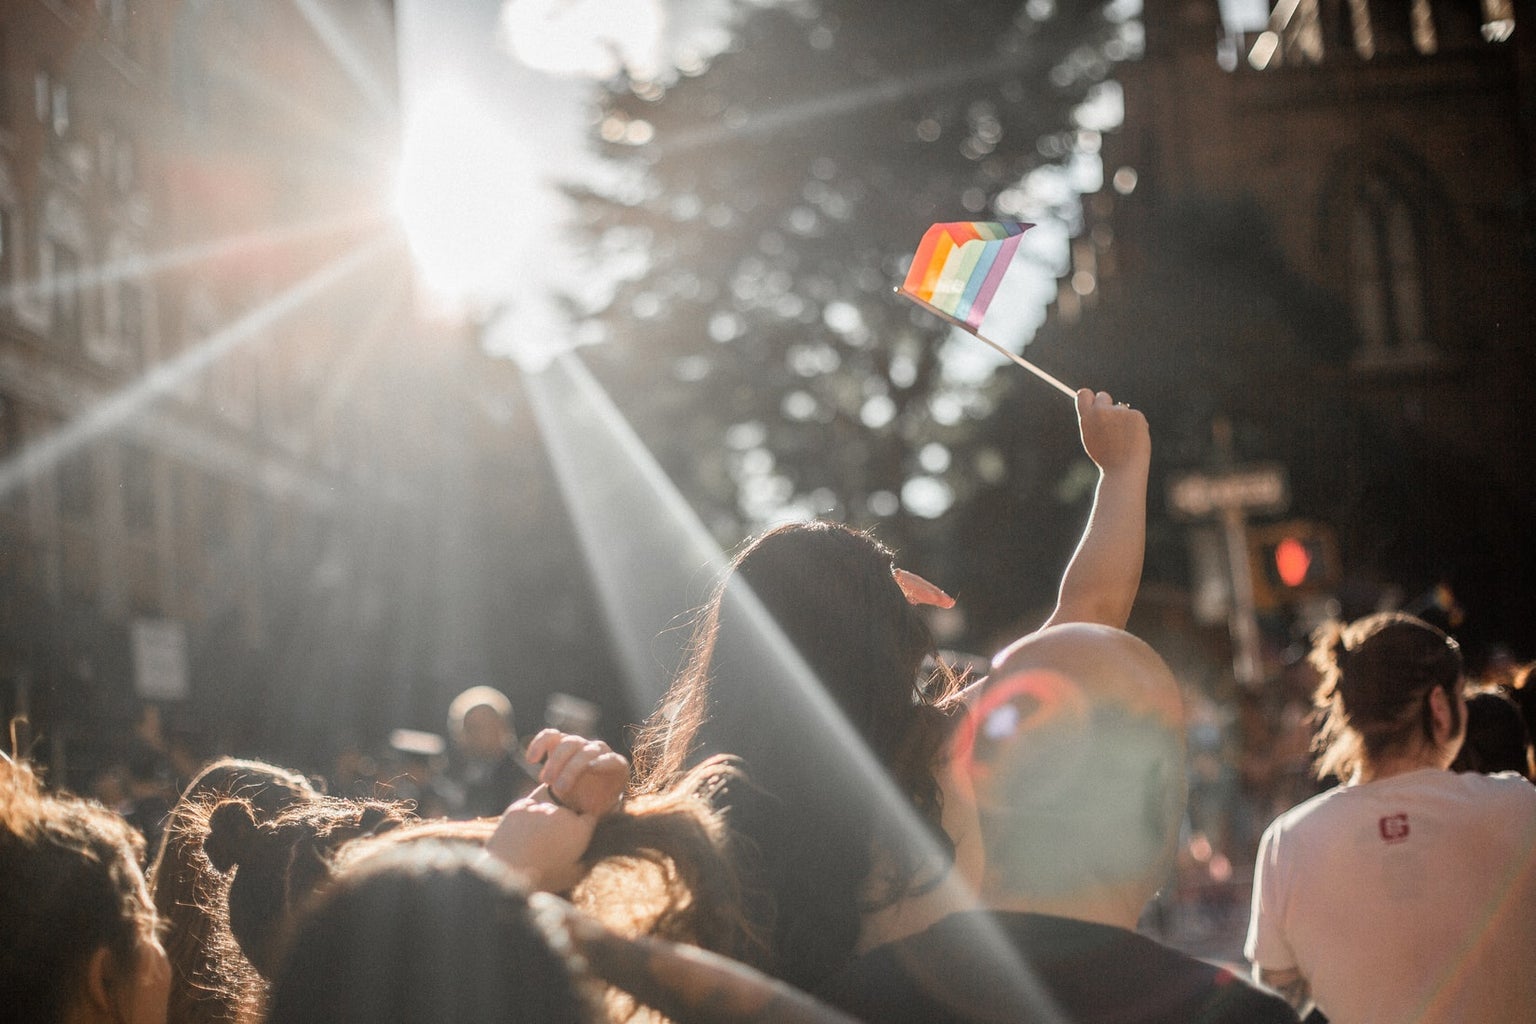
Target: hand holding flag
x,y
955,274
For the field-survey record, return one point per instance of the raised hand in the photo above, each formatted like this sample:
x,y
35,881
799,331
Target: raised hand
x,y
1114,436
543,841
585,775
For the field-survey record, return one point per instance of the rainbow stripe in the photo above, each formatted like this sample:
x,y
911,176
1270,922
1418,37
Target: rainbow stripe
x,y
959,265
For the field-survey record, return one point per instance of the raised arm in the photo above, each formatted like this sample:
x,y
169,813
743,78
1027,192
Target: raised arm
x,y
1100,582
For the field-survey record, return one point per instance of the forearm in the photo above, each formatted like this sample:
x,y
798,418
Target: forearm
x,y
1101,580
694,986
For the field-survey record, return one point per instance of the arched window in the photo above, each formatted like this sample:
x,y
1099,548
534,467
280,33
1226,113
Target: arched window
x,y
1386,273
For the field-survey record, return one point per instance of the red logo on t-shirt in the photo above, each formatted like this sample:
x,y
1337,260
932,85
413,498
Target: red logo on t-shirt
x,y
1394,828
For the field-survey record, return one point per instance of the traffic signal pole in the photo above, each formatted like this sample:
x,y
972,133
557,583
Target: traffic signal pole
x,y
1228,493
1243,621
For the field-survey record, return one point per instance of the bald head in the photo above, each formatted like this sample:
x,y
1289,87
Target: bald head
x,y
1075,747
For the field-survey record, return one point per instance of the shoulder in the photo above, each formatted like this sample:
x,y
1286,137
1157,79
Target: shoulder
x,y
1507,795
1501,785
1300,818
1223,994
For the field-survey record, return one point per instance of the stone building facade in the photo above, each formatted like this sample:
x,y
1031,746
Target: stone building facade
x,y
1320,231
243,479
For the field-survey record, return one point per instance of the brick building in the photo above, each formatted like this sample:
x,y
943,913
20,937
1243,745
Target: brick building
x,y
230,444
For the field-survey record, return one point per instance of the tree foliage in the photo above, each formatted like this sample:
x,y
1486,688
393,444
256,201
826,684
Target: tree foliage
x,y
755,215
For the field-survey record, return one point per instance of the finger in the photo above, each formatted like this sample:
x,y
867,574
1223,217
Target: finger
x,y
539,746
563,751
1102,400
1084,400
579,762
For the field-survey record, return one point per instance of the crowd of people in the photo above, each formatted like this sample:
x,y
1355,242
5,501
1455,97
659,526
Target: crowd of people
x,y
823,822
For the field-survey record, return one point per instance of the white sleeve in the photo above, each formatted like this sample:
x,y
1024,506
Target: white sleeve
x,y
1266,945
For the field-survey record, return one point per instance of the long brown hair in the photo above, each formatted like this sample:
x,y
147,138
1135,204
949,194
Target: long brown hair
x,y
806,843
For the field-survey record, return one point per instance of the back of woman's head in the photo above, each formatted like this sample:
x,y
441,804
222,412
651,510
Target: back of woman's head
x,y
832,592
70,885
830,589
211,981
424,932
278,863
1377,673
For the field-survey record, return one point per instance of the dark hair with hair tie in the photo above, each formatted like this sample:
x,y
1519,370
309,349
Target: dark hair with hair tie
x,y
211,981
278,864
1377,674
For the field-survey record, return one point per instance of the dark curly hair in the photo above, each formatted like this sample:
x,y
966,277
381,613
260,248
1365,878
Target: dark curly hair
x,y
806,845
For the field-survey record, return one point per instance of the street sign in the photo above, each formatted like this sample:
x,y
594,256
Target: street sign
x,y
160,659
1262,488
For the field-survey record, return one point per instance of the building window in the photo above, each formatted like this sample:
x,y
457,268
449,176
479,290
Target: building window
x,y
50,101
1387,272
114,13
60,109
75,479
6,227
130,310
5,78
10,445
138,491
42,95
77,486
120,340
64,283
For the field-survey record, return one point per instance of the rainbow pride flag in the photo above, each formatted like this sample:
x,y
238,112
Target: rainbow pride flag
x,y
959,265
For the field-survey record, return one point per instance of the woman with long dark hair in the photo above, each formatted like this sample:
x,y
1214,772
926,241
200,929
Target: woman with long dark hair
x,y
826,870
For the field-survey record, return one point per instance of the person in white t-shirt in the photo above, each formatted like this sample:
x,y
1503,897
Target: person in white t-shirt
x,y
1409,892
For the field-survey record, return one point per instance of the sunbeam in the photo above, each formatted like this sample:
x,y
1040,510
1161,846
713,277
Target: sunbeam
x,y
346,369
41,455
649,555
347,55
145,266
647,551
839,104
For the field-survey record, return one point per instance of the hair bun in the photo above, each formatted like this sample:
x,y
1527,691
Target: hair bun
x,y
231,831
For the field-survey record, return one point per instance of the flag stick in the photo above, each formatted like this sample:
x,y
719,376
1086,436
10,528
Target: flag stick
x,y
968,329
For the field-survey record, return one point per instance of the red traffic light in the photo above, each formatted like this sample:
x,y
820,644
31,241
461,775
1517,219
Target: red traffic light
x,y
1293,562
1291,559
